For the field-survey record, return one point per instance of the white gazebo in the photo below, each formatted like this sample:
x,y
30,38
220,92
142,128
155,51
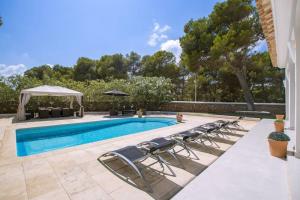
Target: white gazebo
x,y
46,90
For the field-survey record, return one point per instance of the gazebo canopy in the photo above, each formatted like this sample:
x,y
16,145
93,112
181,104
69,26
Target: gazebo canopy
x,y
45,90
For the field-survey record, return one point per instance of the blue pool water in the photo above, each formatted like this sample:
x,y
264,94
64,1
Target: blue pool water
x,y
41,139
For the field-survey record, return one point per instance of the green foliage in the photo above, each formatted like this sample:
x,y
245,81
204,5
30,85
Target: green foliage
x,y
278,136
85,69
279,121
161,63
266,81
196,44
112,67
143,91
45,72
134,63
63,72
154,90
1,21
41,72
224,39
108,67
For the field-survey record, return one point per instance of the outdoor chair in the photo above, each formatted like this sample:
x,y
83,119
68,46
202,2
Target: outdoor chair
x,y
206,133
127,111
43,113
198,135
185,137
29,114
232,124
216,128
163,145
67,112
133,156
56,112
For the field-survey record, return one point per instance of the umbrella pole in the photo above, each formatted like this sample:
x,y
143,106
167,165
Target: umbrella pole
x,y
113,103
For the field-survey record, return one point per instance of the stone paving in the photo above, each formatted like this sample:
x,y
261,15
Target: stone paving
x,y
75,173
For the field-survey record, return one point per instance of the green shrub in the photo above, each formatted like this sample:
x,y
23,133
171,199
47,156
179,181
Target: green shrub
x,y
279,121
278,136
145,92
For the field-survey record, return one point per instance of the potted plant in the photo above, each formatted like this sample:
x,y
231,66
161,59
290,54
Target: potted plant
x,y
179,117
278,142
279,125
280,117
140,113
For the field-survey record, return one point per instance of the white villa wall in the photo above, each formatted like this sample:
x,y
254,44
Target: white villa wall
x,y
287,38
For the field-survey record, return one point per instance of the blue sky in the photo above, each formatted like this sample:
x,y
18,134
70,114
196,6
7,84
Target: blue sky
x,y
39,32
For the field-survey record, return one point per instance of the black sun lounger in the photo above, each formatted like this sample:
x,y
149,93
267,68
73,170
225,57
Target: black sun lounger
x,y
133,156
187,136
235,124
206,133
216,127
163,145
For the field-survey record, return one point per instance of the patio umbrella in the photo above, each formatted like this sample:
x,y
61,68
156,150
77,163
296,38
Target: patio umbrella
x,y
115,93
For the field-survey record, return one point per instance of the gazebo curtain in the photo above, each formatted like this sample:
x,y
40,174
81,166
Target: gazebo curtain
x,y
79,100
24,99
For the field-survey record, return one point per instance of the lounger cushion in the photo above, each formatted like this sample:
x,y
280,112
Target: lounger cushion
x,y
161,144
132,153
211,125
223,123
205,129
189,134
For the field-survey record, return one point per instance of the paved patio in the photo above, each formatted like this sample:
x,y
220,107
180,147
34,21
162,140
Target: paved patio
x,y
245,171
75,173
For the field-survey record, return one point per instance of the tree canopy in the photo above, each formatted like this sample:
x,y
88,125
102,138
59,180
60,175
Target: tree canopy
x,y
161,63
224,39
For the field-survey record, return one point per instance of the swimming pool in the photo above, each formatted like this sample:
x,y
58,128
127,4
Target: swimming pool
x,y
42,139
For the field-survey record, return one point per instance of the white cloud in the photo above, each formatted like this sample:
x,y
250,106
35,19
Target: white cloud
x,y
9,70
50,65
172,46
158,34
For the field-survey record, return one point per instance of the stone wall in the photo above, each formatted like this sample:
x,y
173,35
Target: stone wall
x,y
221,107
175,106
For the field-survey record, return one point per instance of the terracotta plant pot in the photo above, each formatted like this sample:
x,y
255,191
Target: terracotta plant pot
x,y
179,117
140,113
279,126
278,148
279,116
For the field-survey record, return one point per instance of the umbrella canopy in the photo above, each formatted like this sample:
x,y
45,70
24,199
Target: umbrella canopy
x,y
116,93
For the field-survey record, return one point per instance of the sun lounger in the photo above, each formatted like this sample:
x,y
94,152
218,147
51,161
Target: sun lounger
x,y
217,128
133,156
206,133
229,124
184,138
163,145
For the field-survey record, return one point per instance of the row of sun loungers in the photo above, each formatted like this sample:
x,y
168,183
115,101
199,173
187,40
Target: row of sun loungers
x,y
134,155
